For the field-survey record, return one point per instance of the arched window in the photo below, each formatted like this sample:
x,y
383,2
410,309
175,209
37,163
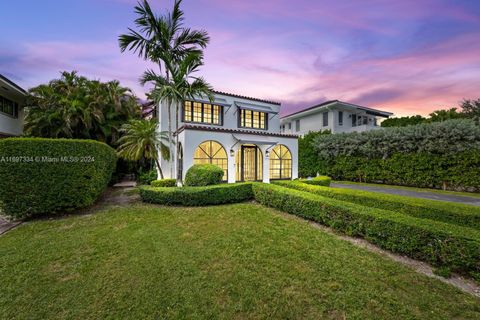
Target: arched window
x,y
280,163
214,153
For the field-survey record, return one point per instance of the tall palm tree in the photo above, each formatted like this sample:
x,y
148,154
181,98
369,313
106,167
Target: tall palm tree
x,y
180,86
141,140
163,38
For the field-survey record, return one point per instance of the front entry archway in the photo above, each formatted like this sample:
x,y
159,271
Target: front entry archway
x,y
249,163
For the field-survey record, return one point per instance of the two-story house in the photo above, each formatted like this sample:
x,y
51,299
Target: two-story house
x,y
12,98
336,116
239,134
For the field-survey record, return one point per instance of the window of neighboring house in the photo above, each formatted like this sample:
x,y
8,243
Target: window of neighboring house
x,y
253,119
340,118
354,120
375,123
202,113
8,107
297,125
365,120
289,126
325,119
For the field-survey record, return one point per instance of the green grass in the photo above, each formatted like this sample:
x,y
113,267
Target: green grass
x,y
231,262
455,193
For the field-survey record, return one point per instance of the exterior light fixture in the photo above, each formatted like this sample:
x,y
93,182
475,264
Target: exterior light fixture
x,y
232,153
267,154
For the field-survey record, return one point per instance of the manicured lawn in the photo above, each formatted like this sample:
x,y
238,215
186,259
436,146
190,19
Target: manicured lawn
x,y
238,261
455,193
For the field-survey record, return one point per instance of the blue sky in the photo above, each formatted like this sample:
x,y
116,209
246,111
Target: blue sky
x,y
407,57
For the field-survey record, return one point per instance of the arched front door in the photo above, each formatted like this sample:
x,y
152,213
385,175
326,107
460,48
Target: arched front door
x,y
249,163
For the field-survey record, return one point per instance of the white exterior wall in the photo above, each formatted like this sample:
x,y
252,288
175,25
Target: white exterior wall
x,y
11,126
190,139
314,122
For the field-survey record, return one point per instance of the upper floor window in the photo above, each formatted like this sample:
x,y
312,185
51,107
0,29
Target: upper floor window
x,y
8,107
340,118
325,119
297,125
289,126
202,113
253,119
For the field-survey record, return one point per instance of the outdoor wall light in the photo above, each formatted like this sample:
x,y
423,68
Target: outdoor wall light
x,y
267,154
232,153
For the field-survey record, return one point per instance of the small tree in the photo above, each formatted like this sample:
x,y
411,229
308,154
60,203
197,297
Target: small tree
x,y
142,140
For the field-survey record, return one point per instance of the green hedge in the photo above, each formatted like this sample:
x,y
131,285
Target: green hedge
x,y
454,213
43,176
441,244
434,155
203,175
165,183
318,181
198,196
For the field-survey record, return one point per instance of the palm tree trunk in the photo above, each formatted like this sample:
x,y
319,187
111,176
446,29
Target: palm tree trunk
x,y
177,146
170,139
159,168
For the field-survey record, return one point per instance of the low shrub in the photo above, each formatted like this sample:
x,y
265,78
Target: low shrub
x,y
438,243
203,175
165,183
459,214
147,177
318,181
44,176
198,196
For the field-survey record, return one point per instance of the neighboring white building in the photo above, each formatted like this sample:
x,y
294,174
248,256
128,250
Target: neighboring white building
x,y
336,116
12,99
239,134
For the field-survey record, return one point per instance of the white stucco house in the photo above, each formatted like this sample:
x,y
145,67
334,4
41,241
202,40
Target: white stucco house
x,y
336,116
239,134
12,99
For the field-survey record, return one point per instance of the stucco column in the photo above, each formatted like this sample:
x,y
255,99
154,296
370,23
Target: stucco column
x,y
231,164
266,164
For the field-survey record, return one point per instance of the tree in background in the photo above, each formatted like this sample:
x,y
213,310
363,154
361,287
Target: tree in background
x,y
443,115
309,164
161,38
403,121
76,107
141,140
471,108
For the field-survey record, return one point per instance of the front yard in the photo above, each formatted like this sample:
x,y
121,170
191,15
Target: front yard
x,y
232,261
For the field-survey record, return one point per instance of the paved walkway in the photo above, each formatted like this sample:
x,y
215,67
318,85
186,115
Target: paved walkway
x,y
410,193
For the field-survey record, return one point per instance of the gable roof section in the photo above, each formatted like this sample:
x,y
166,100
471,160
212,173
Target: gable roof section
x,y
245,97
371,111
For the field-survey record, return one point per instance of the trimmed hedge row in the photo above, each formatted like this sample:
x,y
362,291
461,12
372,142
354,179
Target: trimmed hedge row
x,y
203,175
459,214
318,181
165,183
198,196
442,245
44,176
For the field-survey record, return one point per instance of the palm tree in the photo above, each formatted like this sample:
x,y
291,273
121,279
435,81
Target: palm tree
x,y
181,86
163,38
141,140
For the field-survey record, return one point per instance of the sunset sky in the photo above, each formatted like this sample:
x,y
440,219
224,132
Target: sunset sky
x,y
406,57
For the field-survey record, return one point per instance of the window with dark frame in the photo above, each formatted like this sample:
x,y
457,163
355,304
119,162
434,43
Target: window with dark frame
x,y
8,107
253,119
297,125
280,163
289,126
205,113
325,119
340,118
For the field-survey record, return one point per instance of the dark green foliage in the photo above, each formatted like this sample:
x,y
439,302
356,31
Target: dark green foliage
x,y
403,121
454,213
198,196
76,107
471,108
318,181
53,175
437,155
308,164
438,243
203,175
165,183
146,177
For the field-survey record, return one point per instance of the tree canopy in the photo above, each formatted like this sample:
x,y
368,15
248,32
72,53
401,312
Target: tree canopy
x,y
76,107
